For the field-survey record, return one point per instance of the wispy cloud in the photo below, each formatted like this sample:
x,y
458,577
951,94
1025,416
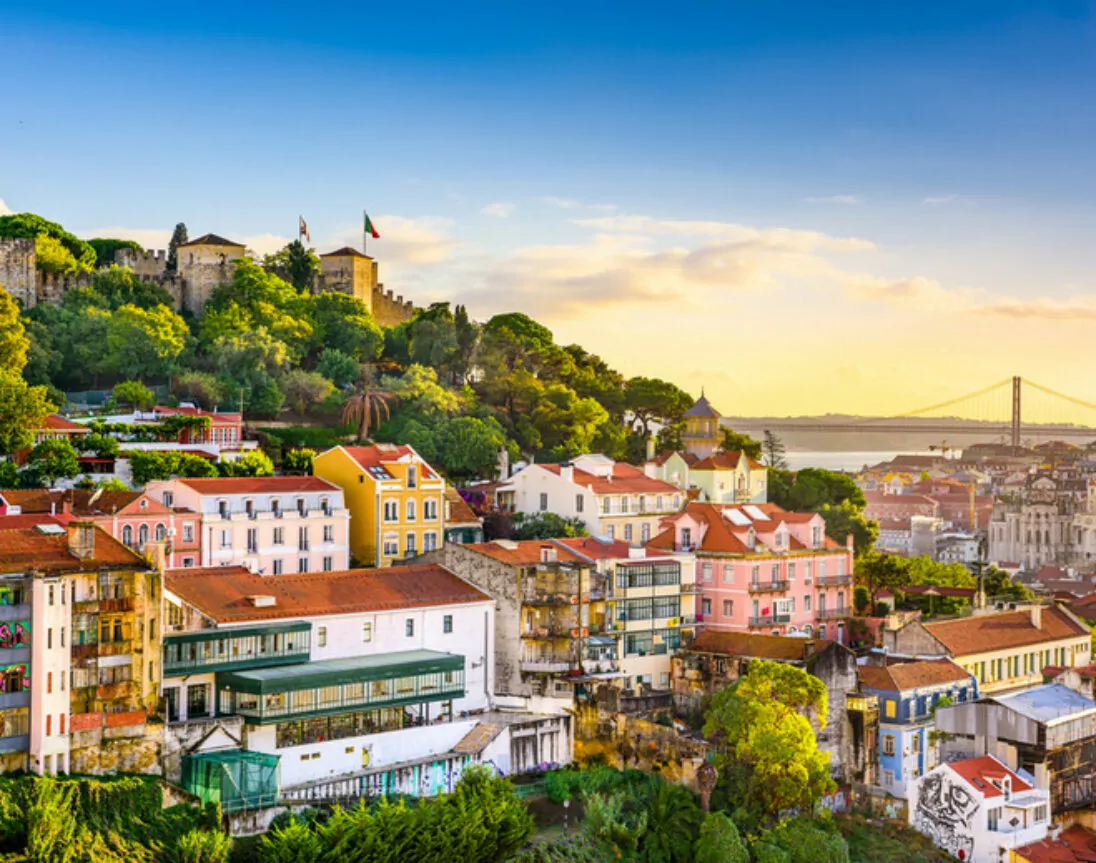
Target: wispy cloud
x,y
836,199
404,241
575,204
499,210
265,244
4,209
150,238
939,199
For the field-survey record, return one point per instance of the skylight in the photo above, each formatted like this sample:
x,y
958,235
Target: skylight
x,y
51,529
755,513
737,517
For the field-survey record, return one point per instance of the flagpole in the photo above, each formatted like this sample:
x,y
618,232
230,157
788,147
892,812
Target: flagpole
x,y
365,236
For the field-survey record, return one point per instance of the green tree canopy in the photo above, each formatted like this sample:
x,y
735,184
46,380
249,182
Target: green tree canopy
x,y
300,264
14,343
23,409
145,344
654,400
53,459
546,525
732,441
768,752
31,226
178,237
105,249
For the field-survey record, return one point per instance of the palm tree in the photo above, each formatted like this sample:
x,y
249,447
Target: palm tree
x,y
365,406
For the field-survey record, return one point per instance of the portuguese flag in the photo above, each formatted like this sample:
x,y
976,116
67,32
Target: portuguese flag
x,y
369,229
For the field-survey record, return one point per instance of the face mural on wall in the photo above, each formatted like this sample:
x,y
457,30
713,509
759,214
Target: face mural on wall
x,y
945,813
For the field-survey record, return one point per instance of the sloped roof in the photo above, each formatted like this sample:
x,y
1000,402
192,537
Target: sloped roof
x,y
221,592
624,479
1075,845
28,548
726,461
722,537
526,552
210,240
775,647
56,422
31,499
476,740
980,773
664,456
258,484
702,408
597,549
911,675
345,252
459,510
989,632
376,455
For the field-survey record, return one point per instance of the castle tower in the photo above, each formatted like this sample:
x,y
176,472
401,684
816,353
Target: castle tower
x,y
702,435
18,269
349,271
203,264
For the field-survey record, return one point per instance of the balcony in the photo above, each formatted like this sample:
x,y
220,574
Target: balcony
x,y
862,703
691,589
546,666
833,580
768,586
121,647
770,619
551,632
236,649
548,597
832,613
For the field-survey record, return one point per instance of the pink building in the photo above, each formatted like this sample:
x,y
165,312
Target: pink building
x,y
269,524
762,569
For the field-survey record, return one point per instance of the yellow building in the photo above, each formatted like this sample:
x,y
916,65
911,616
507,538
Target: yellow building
x,y
394,497
702,435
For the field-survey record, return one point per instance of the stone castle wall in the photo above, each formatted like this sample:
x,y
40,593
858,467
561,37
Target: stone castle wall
x,y
190,287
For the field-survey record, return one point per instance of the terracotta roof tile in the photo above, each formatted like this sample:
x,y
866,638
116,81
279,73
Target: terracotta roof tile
x,y
459,510
776,647
980,773
27,548
1075,845
259,484
221,593
911,675
726,461
593,548
56,422
345,252
1003,631
31,499
522,553
379,454
625,480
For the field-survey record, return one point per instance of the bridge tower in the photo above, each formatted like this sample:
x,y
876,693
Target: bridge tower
x,y
1017,386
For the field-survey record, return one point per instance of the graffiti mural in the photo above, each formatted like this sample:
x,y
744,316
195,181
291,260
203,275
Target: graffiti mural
x,y
14,678
945,813
14,633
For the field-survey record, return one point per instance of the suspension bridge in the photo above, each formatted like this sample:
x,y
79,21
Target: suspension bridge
x,y
1009,409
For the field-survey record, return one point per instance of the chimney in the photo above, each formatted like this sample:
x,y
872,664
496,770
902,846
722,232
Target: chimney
x,y
650,448
567,472
81,539
1037,616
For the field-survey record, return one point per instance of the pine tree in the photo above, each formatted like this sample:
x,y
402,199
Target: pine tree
x,y
178,237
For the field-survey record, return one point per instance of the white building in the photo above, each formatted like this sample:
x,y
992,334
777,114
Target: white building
x,y
611,498
978,810
271,524
335,673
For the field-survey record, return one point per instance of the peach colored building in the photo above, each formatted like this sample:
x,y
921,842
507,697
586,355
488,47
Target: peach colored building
x,y
271,525
762,569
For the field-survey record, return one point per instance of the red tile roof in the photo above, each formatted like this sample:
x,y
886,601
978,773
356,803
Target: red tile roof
x,y
459,510
221,593
259,484
22,522
624,479
911,675
25,549
616,550
775,647
726,461
210,240
378,454
723,537
56,422
31,499
1003,631
980,773
521,553
1075,845
664,456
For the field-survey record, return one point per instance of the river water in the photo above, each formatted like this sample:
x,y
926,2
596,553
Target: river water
x,y
841,460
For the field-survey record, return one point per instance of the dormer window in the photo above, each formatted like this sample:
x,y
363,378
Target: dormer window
x,y
751,538
547,554
169,498
412,477
816,537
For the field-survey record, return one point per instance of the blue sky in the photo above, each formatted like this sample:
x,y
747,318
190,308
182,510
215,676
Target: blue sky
x,y
870,202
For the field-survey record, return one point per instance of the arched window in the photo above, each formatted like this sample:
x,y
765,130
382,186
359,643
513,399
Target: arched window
x,y
161,532
411,510
142,536
127,535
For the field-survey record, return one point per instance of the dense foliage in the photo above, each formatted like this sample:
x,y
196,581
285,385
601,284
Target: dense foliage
x,y
117,820
834,496
481,821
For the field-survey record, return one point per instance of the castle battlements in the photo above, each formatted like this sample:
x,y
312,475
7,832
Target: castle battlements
x,y
192,283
